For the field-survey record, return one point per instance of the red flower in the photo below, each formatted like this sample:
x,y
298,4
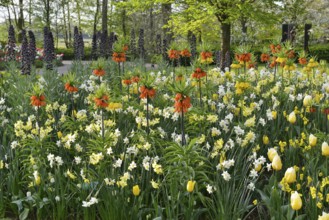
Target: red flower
x,y
302,61
264,57
70,88
119,57
99,72
326,111
127,81
135,79
173,54
38,100
146,92
198,73
182,103
244,57
205,55
102,102
185,53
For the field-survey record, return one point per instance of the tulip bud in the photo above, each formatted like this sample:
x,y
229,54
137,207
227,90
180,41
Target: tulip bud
x,y
276,163
190,186
290,175
136,190
312,140
295,201
271,153
265,140
292,117
307,101
325,149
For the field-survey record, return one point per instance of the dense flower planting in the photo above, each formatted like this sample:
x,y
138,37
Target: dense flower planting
x,y
253,144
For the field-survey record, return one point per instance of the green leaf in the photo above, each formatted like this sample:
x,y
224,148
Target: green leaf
x,y
24,214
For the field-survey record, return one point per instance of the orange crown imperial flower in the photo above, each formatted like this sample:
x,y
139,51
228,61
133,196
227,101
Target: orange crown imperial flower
x,y
119,57
38,100
127,81
264,57
244,57
198,73
70,88
205,55
185,53
135,79
173,54
146,92
99,72
101,102
182,103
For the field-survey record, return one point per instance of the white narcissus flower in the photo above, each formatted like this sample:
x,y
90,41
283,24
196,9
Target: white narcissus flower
x,y
226,176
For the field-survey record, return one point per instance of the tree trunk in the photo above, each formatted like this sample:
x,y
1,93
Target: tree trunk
x,y
226,42
96,16
65,26
166,11
47,13
30,12
104,16
69,23
9,17
152,31
124,29
79,14
20,22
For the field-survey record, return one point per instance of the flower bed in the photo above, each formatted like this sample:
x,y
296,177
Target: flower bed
x,y
216,145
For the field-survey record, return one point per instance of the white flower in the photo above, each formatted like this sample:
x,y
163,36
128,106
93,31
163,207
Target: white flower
x,y
77,160
251,186
14,144
126,140
117,163
210,189
132,166
57,199
51,158
226,176
59,160
269,166
253,174
92,201
109,151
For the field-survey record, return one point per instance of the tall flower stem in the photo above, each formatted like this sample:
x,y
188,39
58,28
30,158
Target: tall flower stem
x,y
147,116
120,75
102,114
38,120
182,124
200,92
72,104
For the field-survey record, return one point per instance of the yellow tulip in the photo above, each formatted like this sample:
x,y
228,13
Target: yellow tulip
x,y
59,134
276,163
324,216
325,149
292,117
295,201
190,186
307,101
136,190
265,140
258,167
290,175
271,153
312,140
